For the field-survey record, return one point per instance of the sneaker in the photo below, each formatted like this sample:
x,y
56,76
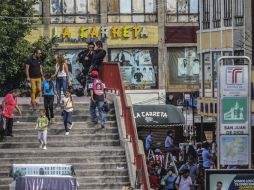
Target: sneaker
x,y
40,146
44,147
67,133
70,127
102,125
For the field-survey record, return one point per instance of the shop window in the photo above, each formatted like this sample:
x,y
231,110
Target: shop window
x,y
216,56
227,13
207,70
206,14
74,11
132,11
139,66
37,7
239,12
216,13
182,11
183,65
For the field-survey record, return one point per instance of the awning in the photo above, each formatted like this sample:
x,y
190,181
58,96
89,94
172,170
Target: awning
x,y
157,115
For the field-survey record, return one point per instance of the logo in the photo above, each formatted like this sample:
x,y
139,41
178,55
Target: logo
x,y
234,76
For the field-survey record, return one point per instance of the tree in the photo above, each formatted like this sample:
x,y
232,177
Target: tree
x,y
15,24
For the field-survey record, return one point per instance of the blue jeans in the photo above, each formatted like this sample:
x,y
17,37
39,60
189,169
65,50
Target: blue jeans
x,y
100,106
61,82
67,116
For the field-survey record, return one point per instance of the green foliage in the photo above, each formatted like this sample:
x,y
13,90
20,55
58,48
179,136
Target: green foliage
x,y
15,24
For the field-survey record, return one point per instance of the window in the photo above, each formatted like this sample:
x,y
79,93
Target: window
x,y
227,13
239,12
183,65
139,66
74,11
206,14
182,11
132,11
216,13
38,12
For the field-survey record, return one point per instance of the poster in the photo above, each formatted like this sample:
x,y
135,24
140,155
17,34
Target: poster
x,y
171,6
138,66
234,181
184,65
234,149
56,7
188,67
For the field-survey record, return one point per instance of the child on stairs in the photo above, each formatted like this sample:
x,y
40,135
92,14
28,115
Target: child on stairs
x,y
41,126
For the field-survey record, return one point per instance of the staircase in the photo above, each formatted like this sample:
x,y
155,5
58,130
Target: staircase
x,y
99,160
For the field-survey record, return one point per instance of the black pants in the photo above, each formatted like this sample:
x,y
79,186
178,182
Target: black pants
x,y
8,123
48,105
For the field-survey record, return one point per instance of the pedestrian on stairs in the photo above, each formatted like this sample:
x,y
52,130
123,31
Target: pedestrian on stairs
x,y
41,126
49,90
67,105
98,96
8,105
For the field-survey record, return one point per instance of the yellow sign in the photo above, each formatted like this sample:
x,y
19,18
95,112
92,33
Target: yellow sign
x,y
112,35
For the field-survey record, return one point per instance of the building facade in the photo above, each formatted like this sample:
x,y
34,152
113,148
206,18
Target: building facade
x,y
153,40
225,29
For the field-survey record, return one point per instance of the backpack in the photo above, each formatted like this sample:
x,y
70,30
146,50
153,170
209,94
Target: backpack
x,y
180,177
98,87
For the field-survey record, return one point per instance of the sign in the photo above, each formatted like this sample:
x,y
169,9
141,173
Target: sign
x,y
234,115
41,169
157,115
229,179
138,66
233,132
235,80
234,149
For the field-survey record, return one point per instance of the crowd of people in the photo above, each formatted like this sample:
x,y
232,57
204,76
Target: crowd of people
x,y
177,168
51,85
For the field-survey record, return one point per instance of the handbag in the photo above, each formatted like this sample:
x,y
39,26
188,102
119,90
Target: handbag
x,y
106,107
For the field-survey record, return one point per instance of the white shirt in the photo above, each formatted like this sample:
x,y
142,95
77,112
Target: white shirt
x,y
184,183
68,106
60,73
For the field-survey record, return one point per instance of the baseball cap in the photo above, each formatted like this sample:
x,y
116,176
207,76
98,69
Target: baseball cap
x,y
94,73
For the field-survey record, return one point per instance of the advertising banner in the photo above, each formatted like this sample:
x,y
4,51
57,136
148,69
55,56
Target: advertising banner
x,y
229,180
138,66
234,149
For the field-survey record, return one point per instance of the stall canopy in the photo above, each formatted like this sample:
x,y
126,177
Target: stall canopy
x,y
157,115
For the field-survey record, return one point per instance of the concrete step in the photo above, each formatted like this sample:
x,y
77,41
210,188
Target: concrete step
x,y
77,124
81,143
61,137
74,131
91,186
88,172
64,160
103,179
81,166
80,111
60,152
105,186
77,105
59,118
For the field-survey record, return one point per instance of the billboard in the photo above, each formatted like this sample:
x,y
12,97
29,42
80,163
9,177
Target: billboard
x,y
229,179
138,66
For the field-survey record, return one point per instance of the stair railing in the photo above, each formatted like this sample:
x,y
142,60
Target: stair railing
x,y
111,76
